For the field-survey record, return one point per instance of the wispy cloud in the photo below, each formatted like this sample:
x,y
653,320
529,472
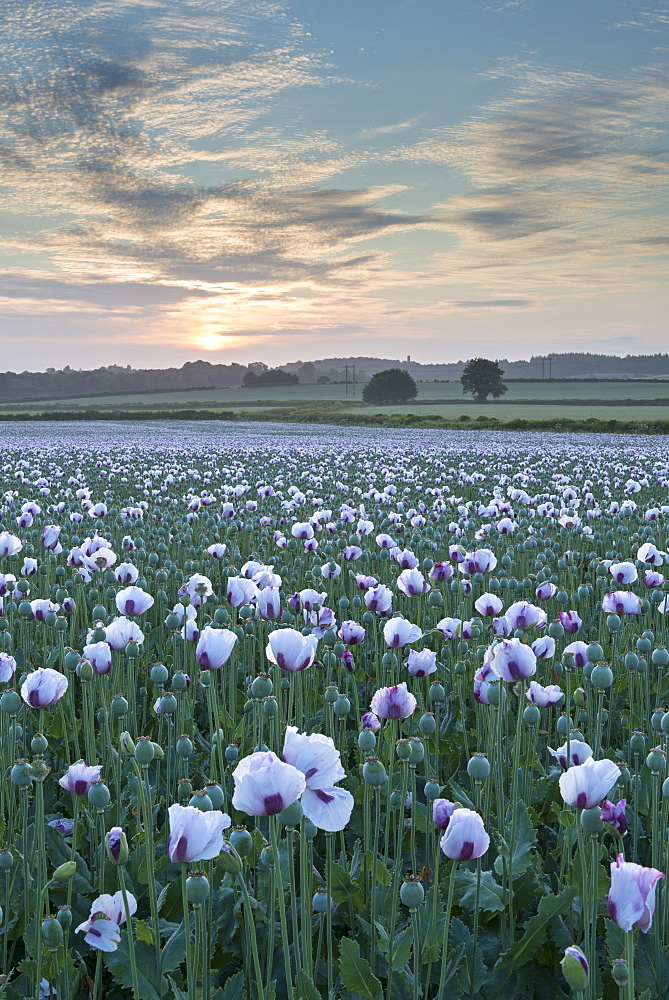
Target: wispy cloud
x,y
568,175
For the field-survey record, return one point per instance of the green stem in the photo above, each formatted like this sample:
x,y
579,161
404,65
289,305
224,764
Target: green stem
x,y
190,975
254,942
131,937
282,907
447,923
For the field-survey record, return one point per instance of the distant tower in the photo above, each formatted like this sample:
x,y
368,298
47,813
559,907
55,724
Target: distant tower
x,y
408,359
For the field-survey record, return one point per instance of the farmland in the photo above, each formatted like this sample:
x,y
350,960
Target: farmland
x,y
602,400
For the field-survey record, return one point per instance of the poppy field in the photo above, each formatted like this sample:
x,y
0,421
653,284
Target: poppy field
x,y
292,714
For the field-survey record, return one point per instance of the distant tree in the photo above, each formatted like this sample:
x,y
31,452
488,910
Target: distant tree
x,y
389,387
269,376
323,380
258,366
482,378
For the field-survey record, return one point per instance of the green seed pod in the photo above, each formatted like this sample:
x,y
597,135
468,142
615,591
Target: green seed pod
x,y
660,657
602,676
242,841
643,644
412,893
342,706
39,744
184,747
291,815
564,725
10,702
64,917
200,800
98,795
403,749
613,623
184,789
231,753
591,820
331,694
215,793
395,801
436,692
620,973
267,857
366,740
119,706
431,790
416,750
167,704
22,774
262,686
637,742
427,724
656,719
320,901
197,888
656,761
144,750
270,707
179,681
6,859
531,715
594,652
478,767
52,932
374,773
159,673
310,830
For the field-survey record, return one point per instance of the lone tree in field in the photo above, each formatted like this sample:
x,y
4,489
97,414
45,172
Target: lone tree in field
x,y
482,378
388,387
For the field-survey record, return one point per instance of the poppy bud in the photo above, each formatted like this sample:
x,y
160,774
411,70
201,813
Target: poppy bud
x,y
64,872
575,968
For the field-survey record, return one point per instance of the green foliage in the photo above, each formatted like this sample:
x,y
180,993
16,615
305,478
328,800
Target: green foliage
x,y
482,378
392,386
356,973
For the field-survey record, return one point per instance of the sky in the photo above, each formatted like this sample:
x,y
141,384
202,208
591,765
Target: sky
x,y
240,180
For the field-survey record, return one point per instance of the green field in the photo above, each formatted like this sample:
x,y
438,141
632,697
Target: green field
x,y
610,400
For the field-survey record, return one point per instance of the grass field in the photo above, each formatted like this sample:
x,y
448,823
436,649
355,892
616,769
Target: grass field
x,y
527,400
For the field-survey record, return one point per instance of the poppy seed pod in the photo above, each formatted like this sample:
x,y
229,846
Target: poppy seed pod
x,y
412,893
374,773
197,888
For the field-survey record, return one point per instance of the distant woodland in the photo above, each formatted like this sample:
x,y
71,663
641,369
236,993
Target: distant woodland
x,y
68,383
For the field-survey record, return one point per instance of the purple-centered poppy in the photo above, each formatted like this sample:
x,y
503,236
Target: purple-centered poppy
x,y
43,687
79,777
195,835
465,837
393,702
585,785
316,756
614,813
214,647
133,601
442,810
631,899
513,661
107,915
265,785
291,650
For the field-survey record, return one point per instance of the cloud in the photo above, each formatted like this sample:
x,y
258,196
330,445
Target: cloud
x,y
567,178
372,133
